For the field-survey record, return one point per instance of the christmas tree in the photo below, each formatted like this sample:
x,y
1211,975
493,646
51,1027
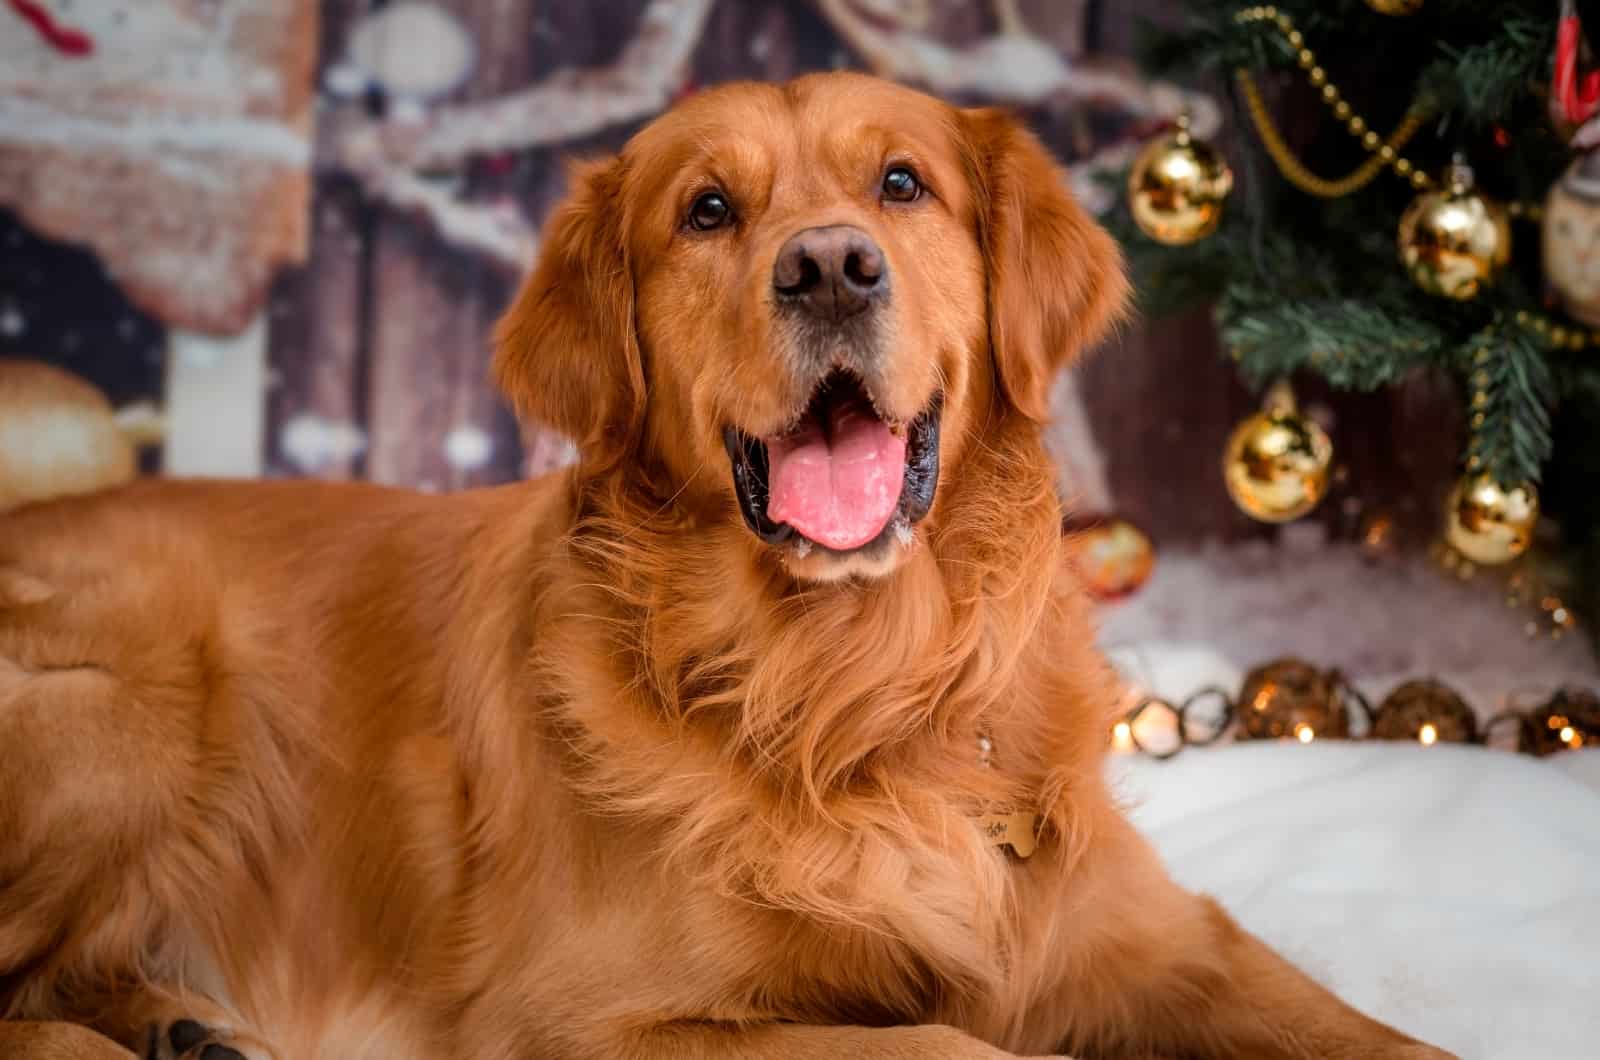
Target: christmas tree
x,y
1410,194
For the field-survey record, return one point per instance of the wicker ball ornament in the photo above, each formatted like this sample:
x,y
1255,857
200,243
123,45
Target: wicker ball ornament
x,y
1454,241
1569,722
1427,712
1291,699
1490,523
1177,187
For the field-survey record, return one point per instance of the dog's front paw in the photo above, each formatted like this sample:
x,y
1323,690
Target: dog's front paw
x,y
187,1039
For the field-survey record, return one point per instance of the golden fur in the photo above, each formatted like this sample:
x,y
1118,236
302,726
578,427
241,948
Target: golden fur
x,y
581,767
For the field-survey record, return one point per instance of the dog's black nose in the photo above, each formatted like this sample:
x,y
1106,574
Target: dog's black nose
x,y
831,272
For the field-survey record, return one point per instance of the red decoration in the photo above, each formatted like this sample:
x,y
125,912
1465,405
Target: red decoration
x,y
63,39
1502,139
1113,557
500,163
1575,93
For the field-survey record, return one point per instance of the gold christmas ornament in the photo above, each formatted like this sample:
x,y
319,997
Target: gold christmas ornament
x,y
1290,699
1489,523
1571,239
1395,7
1177,187
58,436
1427,712
1454,240
1275,464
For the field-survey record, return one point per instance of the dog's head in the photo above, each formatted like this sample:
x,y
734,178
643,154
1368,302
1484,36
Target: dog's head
x,y
801,304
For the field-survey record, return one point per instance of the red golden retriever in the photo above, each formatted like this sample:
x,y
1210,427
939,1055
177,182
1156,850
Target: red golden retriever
x,y
772,729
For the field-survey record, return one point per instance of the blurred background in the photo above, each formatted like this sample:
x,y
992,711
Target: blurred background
x,y
273,239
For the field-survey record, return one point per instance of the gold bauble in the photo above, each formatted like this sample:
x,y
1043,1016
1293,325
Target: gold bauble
x,y
1177,187
1488,523
1276,465
1395,7
1291,699
58,436
1454,240
1427,712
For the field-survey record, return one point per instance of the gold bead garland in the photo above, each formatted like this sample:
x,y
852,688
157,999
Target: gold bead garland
x,y
1556,335
1385,151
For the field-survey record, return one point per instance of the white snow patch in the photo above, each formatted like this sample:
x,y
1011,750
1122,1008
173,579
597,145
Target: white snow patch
x,y
468,448
312,443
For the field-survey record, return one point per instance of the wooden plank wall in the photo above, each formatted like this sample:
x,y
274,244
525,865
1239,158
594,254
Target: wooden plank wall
x,y
384,335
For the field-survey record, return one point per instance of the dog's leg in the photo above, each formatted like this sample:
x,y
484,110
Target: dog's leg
x,y
107,753
1157,970
148,1023
162,1024
188,1039
793,1041
181,1039
57,1041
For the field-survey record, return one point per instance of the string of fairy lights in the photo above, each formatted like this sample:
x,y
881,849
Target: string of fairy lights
x,y
1291,699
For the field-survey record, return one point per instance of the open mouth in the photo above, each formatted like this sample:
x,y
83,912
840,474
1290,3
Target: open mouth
x,y
842,477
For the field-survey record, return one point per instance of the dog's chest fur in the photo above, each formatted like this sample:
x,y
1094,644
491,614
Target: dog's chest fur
x,y
886,914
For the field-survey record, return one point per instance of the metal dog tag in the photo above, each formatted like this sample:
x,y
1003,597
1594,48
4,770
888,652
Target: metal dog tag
x,y
1019,831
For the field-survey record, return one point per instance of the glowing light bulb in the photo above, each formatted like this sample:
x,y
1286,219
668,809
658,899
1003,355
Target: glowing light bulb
x,y
1567,733
1428,735
1304,733
1122,736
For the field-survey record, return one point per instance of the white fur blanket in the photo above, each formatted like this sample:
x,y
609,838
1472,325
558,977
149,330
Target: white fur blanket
x,y
1453,892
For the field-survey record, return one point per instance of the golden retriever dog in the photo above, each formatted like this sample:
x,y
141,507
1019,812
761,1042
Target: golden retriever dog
x,y
774,728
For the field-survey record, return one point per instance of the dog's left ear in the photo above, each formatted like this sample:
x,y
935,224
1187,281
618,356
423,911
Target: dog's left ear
x,y
1056,283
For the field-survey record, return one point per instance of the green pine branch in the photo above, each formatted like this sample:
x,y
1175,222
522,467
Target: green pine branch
x,y
1512,389
1354,344
1484,81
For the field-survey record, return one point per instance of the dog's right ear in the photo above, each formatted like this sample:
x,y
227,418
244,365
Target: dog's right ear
x,y
566,353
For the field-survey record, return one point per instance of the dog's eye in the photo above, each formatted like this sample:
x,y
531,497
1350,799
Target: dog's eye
x,y
901,185
709,211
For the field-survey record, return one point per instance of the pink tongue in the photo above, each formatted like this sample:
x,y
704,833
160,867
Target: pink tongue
x,y
837,487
